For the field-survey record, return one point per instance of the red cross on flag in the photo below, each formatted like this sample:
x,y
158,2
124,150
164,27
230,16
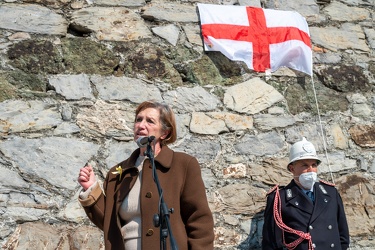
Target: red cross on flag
x,y
264,39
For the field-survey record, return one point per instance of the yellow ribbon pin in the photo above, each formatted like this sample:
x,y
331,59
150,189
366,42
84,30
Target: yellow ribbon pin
x,y
119,171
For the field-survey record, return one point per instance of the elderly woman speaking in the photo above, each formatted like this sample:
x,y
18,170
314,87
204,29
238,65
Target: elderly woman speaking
x,y
125,206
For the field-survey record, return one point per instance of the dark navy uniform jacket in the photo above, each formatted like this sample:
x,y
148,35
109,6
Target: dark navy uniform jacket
x,y
325,218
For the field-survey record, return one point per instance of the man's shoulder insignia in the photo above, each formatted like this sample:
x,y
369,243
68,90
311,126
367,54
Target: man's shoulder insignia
x,y
327,183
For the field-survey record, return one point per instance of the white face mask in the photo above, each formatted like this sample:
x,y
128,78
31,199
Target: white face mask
x,y
307,180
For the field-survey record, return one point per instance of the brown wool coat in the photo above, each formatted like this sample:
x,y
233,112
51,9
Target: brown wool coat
x,y
181,181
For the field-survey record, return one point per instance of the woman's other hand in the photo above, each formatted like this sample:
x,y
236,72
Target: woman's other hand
x,y
86,177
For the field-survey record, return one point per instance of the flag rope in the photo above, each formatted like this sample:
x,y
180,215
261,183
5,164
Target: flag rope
x,y
323,137
322,132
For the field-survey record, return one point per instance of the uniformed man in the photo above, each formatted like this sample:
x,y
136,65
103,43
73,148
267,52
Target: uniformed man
x,y
306,214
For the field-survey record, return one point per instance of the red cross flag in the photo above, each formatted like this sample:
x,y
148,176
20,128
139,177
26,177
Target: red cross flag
x,y
264,39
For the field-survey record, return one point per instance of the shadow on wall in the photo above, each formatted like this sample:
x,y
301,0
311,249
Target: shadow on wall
x,y
254,239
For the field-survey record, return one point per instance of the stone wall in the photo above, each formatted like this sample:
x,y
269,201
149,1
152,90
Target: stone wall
x,y
73,71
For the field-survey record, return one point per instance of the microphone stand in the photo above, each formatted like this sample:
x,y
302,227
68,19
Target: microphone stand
x,y
162,219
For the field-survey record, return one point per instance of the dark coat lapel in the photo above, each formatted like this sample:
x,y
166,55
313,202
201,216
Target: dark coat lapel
x,y
322,200
296,198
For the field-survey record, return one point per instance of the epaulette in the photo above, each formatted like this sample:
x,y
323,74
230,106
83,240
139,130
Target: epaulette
x,y
327,183
272,189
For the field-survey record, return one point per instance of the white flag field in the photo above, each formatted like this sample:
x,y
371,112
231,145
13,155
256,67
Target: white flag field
x,y
264,39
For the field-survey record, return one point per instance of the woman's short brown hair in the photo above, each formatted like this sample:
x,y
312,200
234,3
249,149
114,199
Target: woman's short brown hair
x,y
167,118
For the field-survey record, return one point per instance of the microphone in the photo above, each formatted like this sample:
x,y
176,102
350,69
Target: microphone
x,y
142,141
